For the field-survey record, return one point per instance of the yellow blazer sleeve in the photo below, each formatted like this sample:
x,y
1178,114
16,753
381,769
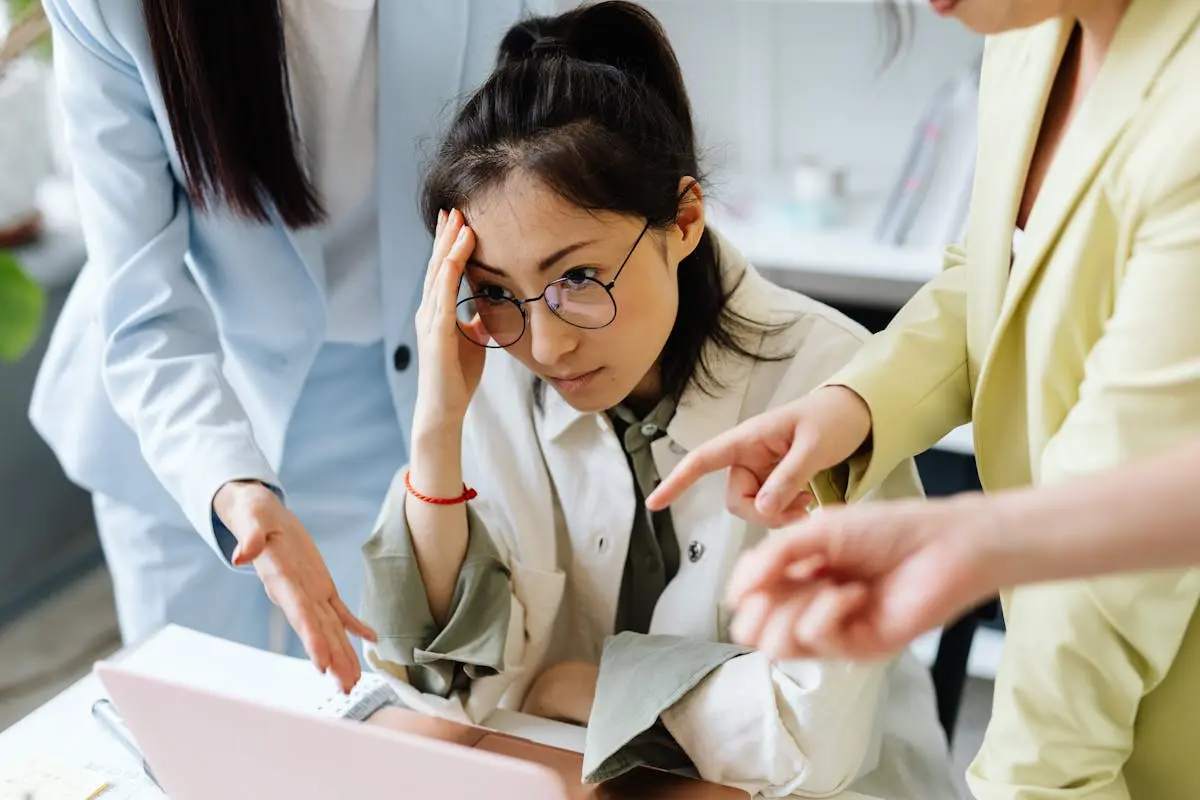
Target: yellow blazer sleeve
x,y
913,376
1080,656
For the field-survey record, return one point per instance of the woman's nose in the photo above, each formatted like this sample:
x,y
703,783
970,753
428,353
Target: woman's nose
x,y
550,337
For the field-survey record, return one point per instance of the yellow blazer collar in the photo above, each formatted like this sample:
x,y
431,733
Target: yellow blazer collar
x,y
1144,43
698,416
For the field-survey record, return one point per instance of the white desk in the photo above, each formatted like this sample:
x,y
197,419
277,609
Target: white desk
x,y
64,729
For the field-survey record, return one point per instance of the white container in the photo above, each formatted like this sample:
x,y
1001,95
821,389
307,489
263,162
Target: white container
x,y
26,157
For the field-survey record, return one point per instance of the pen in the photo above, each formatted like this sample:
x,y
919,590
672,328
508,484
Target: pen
x,y
106,714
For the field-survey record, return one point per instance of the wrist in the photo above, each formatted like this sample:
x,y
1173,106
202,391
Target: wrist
x,y
435,464
853,415
1007,550
437,428
235,498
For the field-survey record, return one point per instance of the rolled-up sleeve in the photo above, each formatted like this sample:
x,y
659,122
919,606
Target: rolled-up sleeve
x,y
435,660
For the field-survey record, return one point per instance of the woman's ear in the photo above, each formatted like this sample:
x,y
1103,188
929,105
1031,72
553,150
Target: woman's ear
x,y
689,221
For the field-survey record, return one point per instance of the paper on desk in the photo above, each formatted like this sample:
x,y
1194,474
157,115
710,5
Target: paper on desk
x,y
211,664
52,777
49,778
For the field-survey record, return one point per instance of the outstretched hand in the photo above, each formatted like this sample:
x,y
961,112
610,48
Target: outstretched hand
x,y
862,582
294,575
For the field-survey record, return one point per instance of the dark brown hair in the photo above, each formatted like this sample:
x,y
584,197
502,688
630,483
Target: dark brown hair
x,y
592,103
222,68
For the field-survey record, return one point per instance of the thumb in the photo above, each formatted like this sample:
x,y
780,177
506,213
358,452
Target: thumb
x,y
249,548
787,481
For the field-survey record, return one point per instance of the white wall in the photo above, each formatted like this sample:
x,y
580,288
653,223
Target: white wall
x,y
827,92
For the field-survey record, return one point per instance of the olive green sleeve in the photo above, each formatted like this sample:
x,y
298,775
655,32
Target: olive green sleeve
x,y
471,643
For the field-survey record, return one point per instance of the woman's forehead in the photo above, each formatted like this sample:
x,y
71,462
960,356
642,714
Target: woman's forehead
x,y
520,221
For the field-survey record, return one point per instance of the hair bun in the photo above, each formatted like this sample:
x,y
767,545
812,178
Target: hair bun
x,y
617,34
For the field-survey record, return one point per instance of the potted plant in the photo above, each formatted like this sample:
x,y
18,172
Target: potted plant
x,y
25,161
22,303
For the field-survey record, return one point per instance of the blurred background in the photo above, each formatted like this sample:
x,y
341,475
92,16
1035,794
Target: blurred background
x,y
838,171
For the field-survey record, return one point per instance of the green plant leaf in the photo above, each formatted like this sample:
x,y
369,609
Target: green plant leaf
x,y
20,9
22,304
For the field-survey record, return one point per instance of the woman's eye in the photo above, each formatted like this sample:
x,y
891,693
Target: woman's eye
x,y
493,293
580,276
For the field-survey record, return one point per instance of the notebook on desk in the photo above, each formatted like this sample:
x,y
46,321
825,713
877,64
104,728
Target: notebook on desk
x,y
206,734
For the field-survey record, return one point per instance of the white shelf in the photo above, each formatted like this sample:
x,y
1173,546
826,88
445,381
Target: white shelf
x,y
846,251
840,263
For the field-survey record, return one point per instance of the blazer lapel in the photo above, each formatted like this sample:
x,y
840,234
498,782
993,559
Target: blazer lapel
x,y
307,243
1147,37
1009,125
421,47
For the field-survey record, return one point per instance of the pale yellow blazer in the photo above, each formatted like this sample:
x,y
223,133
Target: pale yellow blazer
x,y
1084,356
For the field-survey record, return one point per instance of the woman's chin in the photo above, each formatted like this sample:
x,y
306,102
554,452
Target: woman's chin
x,y
589,393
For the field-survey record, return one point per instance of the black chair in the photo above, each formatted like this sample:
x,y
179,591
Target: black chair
x,y
949,668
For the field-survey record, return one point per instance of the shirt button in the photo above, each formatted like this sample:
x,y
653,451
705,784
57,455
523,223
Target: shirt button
x,y
401,358
649,429
695,551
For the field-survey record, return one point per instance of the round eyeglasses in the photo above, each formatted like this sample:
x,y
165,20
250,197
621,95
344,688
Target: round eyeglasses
x,y
576,299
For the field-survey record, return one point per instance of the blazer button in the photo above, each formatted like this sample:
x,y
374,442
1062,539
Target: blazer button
x,y
401,358
695,551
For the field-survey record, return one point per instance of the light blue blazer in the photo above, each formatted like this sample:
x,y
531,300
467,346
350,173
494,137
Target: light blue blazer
x,y
187,337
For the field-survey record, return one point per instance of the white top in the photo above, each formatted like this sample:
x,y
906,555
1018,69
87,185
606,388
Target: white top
x,y
332,62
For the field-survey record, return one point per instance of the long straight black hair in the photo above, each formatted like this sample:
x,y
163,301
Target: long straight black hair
x,y
222,67
592,103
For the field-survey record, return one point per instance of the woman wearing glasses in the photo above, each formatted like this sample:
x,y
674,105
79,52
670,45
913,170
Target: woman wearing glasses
x,y
580,331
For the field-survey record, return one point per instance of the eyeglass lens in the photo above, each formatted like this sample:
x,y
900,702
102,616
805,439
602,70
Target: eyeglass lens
x,y
579,301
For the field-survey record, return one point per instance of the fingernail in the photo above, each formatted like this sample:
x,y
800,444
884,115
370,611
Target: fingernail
x,y
765,500
235,557
462,236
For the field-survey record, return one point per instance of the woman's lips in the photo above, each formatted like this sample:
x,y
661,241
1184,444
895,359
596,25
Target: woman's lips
x,y
574,383
943,7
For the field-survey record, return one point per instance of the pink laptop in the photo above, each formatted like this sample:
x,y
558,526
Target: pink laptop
x,y
202,746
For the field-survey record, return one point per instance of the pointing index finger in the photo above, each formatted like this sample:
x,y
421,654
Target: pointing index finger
x,y
715,455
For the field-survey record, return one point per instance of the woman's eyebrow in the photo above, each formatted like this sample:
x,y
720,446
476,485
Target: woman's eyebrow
x,y
552,259
543,265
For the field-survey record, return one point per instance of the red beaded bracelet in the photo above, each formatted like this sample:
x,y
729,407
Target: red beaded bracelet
x,y
467,495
